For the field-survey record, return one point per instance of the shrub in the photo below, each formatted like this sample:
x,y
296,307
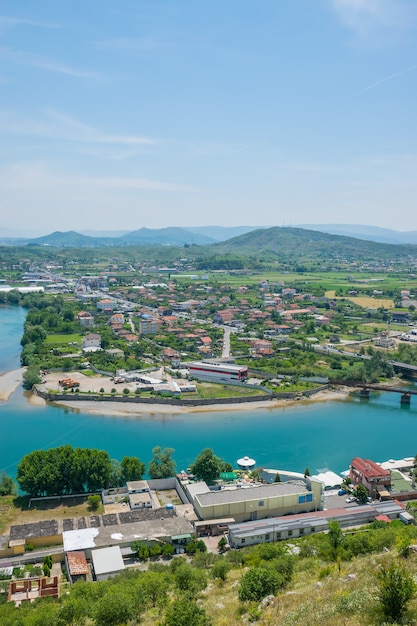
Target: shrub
x,y
259,582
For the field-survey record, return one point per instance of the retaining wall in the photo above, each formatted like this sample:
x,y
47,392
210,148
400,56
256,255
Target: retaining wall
x,y
91,397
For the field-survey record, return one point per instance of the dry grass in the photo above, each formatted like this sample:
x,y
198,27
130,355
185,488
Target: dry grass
x,y
14,510
318,596
367,302
364,301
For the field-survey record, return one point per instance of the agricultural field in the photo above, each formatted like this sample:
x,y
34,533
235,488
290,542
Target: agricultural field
x,y
369,303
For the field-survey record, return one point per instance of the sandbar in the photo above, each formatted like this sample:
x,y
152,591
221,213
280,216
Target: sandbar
x,y
121,409
9,382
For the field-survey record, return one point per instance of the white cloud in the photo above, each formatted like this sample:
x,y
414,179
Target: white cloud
x,y
18,21
45,63
374,19
59,126
38,176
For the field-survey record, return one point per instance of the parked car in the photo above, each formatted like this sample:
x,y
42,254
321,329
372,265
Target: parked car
x,y
342,492
350,499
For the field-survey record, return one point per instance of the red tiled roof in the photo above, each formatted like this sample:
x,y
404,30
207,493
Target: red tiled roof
x,y
77,563
369,468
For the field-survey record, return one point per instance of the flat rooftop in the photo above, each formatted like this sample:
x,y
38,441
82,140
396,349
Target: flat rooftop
x,y
246,494
107,560
122,534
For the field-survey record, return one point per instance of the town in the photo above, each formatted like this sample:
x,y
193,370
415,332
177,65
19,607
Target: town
x,y
144,326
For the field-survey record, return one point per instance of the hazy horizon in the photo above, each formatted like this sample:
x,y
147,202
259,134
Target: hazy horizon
x,y
120,116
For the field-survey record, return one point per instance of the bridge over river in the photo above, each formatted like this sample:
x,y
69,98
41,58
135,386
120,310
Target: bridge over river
x,y
405,397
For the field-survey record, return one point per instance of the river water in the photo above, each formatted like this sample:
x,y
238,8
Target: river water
x,y
314,435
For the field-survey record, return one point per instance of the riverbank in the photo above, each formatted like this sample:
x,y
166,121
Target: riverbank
x,y
118,409
9,382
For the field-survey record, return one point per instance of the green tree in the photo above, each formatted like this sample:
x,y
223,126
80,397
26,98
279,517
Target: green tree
x,y
207,466
220,569
167,550
141,549
186,612
93,502
155,585
31,377
162,465
46,570
7,485
190,580
306,472
259,582
222,544
196,545
132,468
64,470
335,537
277,478
396,587
361,494
114,608
48,561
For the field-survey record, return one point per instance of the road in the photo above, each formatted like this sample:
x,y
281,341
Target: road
x,y
226,343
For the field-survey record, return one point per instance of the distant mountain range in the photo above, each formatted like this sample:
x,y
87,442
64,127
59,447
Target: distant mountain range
x,y
236,236
287,241
369,233
170,236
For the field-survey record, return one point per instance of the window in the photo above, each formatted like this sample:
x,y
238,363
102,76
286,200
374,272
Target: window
x,y
261,503
267,537
290,533
243,540
309,497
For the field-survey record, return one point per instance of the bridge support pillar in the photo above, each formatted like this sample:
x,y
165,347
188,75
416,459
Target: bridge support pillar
x,y
405,398
364,393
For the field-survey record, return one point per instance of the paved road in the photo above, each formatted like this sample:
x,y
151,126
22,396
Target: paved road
x,y
226,343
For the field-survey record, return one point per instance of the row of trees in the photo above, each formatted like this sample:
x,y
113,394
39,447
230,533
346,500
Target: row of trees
x,y
67,470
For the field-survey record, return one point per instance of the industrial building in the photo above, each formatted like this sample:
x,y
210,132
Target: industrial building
x,y
293,526
218,373
252,502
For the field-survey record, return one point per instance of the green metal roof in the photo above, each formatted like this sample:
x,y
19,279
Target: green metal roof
x,y
228,476
177,537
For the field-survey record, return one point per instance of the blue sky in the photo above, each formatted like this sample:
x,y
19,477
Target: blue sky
x,y
118,115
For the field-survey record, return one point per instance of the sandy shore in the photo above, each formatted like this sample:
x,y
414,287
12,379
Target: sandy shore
x,y
95,383
118,409
9,382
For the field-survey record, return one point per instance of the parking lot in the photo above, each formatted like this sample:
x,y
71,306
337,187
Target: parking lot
x,y
333,501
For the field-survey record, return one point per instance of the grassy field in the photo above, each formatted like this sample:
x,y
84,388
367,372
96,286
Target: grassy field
x,y
63,339
209,390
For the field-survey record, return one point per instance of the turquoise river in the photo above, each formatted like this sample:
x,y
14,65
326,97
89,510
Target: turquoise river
x,y
310,434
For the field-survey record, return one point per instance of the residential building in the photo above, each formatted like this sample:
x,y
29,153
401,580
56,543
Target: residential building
x,y
106,305
150,326
85,319
372,476
91,343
